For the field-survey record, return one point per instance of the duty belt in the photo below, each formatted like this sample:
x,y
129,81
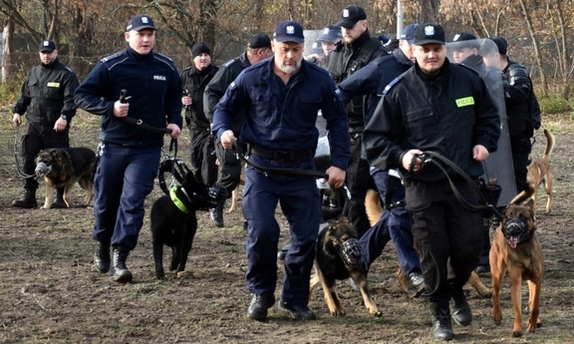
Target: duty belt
x,y
282,155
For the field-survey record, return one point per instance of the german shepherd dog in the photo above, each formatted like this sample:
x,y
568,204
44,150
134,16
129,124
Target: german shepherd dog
x,y
515,250
539,172
338,257
173,221
61,167
375,210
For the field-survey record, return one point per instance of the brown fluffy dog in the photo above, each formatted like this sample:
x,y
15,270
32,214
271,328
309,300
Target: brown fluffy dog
x,y
539,172
61,167
338,257
375,210
515,250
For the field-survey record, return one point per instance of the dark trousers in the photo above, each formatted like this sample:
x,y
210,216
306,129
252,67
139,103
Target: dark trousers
x,y
394,225
229,168
300,203
203,156
521,159
358,181
124,177
36,138
447,236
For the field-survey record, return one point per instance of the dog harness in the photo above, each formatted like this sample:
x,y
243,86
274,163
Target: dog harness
x,y
175,199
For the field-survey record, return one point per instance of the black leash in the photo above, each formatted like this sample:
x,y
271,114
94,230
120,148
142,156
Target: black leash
x,y
171,164
486,205
124,97
21,172
235,146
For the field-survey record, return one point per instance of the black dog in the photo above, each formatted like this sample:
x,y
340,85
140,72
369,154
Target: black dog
x,y
173,221
338,257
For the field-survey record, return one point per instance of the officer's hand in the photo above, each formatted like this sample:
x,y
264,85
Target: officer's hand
x,y
226,139
479,153
336,176
175,130
60,124
186,100
17,119
121,109
407,160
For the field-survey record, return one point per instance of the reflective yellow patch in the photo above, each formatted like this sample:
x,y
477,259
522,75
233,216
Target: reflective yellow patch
x,y
466,101
54,84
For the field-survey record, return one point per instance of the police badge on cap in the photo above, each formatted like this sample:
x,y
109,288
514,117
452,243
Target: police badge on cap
x,y
140,22
429,33
289,31
47,46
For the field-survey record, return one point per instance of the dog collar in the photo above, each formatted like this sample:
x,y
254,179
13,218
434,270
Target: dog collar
x,y
178,203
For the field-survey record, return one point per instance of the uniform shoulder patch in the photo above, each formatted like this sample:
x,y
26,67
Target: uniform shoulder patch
x,y
392,83
230,63
112,57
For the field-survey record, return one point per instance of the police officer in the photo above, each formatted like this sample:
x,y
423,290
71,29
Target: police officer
x,y
357,49
465,48
522,110
48,96
194,79
258,48
129,154
446,108
281,98
371,81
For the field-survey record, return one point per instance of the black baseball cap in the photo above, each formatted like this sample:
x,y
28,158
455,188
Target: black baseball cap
x,y
429,33
501,44
331,33
289,31
408,33
259,41
140,22
47,45
465,39
351,15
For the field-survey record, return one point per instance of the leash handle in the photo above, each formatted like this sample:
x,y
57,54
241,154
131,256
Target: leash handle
x,y
173,147
124,97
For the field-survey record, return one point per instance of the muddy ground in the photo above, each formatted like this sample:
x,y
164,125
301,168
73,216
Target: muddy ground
x,y
51,293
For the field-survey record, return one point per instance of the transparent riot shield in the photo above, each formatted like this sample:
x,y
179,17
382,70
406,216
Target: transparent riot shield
x,y
482,56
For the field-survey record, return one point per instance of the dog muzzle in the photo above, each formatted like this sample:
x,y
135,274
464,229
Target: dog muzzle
x,y
350,252
42,169
516,232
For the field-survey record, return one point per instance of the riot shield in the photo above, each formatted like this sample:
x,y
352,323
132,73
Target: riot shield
x,y
482,56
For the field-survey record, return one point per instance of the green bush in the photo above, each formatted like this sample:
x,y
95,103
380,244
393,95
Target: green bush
x,y
555,104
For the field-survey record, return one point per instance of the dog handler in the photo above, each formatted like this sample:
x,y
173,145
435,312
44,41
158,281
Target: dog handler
x,y
48,96
281,98
446,108
129,155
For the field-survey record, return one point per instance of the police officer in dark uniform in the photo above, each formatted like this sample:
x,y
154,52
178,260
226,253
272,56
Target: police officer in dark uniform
x,y
358,49
129,154
194,79
523,112
394,225
258,48
446,108
48,96
281,98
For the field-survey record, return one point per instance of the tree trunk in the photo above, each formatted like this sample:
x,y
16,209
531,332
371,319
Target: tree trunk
x,y
8,68
536,47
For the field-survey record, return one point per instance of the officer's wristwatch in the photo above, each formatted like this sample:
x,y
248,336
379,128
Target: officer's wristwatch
x,y
64,117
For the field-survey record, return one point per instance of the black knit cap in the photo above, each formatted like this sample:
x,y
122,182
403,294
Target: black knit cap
x,y
200,48
501,44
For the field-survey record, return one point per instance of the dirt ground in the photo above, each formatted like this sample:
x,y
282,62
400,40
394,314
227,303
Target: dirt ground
x,y
51,293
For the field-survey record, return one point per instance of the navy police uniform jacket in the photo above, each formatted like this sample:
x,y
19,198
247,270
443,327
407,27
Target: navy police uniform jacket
x,y
47,93
153,83
448,113
283,117
372,79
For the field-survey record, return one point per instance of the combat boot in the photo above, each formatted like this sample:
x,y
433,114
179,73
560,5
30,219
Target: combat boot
x,y
461,312
27,201
441,324
59,202
216,215
102,256
119,272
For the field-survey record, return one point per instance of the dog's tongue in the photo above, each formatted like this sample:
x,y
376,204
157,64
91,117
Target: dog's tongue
x,y
513,241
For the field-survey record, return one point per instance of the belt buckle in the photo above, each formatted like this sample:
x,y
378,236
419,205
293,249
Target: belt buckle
x,y
281,155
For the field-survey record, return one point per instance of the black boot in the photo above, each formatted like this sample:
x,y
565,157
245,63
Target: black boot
x,y
216,215
59,202
461,313
441,325
27,201
119,271
102,256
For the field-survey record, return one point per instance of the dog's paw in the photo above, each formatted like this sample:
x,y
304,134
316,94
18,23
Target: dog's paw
x,y
376,312
184,274
338,313
516,334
